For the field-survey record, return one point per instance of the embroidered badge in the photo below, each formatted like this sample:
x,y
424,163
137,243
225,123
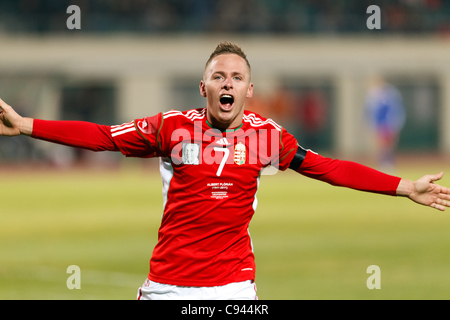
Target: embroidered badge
x,y
239,153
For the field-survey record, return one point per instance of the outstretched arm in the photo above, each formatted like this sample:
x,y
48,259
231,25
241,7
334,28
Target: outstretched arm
x,y
87,135
356,176
424,191
78,134
12,124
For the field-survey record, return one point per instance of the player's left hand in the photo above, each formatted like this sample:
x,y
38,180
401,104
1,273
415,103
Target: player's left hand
x,y
428,193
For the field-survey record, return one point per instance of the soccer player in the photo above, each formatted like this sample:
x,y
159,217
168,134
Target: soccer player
x,y
386,113
211,161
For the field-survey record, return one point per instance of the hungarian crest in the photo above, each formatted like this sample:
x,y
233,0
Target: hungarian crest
x,y
239,153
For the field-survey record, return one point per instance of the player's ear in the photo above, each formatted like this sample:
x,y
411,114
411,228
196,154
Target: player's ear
x,y
202,89
250,91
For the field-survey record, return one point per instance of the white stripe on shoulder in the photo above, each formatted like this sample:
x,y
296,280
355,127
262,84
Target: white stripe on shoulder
x,y
258,122
171,113
125,130
165,116
191,114
122,126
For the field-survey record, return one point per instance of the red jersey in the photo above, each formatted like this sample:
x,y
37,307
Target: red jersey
x,y
210,180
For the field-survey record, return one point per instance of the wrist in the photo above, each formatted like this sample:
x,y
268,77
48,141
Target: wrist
x,y
26,126
405,188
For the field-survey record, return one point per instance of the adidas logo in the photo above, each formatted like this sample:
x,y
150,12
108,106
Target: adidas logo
x,y
223,142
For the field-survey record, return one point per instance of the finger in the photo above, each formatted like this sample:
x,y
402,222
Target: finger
x,y
444,196
442,202
437,206
436,177
445,190
2,105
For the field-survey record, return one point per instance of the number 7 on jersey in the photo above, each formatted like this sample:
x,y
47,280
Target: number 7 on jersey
x,y
224,159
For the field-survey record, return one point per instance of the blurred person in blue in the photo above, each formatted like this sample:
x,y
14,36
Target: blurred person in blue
x,y
386,114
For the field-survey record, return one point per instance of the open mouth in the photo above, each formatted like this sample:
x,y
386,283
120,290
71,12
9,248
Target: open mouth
x,y
226,101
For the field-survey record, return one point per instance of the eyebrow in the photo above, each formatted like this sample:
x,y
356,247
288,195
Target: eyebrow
x,y
223,73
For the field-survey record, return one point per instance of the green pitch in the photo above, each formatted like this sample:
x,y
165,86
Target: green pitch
x,y
311,240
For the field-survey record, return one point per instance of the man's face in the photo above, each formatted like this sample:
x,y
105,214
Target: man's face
x,y
226,85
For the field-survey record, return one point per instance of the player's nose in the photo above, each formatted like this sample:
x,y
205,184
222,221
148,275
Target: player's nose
x,y
227,84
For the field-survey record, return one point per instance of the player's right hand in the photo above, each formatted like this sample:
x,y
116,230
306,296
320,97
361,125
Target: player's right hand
x,y
10,121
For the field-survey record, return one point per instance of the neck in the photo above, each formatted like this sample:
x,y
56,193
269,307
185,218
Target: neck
x,y
213,123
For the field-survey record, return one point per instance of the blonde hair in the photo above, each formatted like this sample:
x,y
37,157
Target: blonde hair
x,y
225,47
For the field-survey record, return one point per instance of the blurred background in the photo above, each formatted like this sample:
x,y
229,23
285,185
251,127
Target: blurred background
x,y
313,63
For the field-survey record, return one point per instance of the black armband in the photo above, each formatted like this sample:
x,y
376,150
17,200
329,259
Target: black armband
x,y
299,156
